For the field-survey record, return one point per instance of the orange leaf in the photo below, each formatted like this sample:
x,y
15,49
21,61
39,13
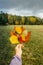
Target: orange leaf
x,y
27,38
22,29
11,33
20,39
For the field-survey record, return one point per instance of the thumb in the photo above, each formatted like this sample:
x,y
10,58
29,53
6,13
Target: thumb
x,y
20,46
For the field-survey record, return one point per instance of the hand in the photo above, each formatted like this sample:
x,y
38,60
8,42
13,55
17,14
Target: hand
x,y
18,50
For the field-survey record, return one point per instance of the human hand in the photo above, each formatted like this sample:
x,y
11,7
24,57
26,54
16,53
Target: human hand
x,y
18,50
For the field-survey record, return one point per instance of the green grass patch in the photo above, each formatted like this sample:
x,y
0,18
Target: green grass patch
x,y
32,51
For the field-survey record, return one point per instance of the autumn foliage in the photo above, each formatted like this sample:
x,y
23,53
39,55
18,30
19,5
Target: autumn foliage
x,y
19,35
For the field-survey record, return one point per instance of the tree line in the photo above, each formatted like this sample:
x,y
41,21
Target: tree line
x,y
8,19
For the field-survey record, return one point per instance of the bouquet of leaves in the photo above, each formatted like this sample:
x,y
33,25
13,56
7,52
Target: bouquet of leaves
x,y
19,35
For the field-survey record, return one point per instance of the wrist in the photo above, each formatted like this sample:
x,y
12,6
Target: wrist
x,y
18,55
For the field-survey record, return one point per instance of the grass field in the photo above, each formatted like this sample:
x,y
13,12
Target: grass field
x,y
32,51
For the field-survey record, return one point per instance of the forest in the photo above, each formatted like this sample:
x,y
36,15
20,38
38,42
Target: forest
x,y
9,19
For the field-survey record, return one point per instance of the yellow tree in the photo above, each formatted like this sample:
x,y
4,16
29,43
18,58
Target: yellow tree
x,y
23,20
10,19
32,19
16,22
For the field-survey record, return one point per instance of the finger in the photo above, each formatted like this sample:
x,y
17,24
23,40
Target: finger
x,y
18,46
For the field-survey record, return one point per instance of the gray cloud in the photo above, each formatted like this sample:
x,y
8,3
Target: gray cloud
x,y
22,4
25,7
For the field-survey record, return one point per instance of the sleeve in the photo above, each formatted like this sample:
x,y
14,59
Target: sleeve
x,y
16,61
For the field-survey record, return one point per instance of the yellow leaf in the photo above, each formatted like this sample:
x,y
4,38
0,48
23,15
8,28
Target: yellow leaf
x,y
25,32
18,30
23,37
14,39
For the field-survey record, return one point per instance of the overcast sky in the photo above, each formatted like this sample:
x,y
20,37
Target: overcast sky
x,y
22,7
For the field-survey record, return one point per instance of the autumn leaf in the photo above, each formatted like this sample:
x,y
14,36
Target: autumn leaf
x,y
27,38
19,30
19,35
14,39
24,38
12,33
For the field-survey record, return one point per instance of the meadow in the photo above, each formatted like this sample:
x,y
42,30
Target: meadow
x,y
32,51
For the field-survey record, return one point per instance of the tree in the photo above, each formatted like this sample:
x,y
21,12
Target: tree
x,y
3,18
10,19
32,20
27,20
22,20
